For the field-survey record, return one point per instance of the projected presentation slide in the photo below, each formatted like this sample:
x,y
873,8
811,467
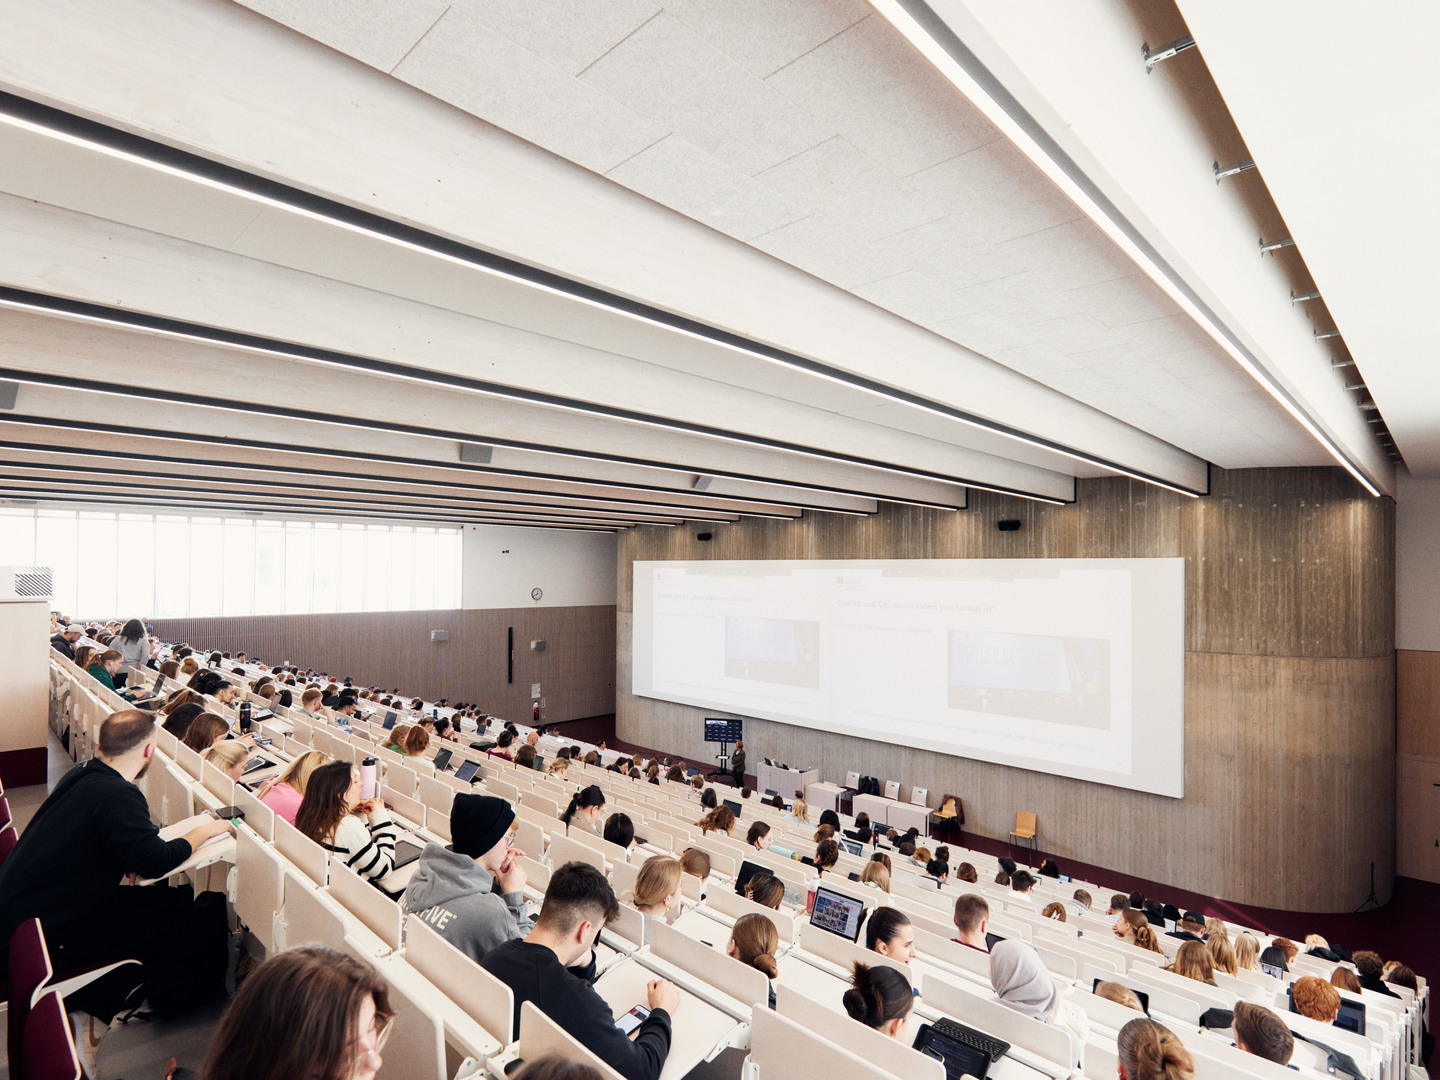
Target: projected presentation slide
x,y
1068,666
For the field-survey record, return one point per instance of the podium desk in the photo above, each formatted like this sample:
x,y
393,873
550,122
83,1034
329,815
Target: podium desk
x,y
784,782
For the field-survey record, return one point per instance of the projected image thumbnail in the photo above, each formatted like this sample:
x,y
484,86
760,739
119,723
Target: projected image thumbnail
x,y
783,651
1065,680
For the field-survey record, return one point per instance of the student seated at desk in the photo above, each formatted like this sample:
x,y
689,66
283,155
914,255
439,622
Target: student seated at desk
x,y
179,719
284,793
327,815
876,875
766,890
697,864
755,941
657,888
972,920
229,757
1316,998
800,811
525,756
472,892
503,745
554,967
103,669
862,825
967,873
1192,961
880,998
1247,952
708,799
827,855
721,819
1120,994
620,830
586,808
1259,1031
889,932
306,1012
1222,954
408,741
1021,983
759,836
1151,1051
206,729
312,705
937,873
66,870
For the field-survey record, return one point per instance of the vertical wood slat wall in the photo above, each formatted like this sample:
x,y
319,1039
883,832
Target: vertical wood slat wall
x,y
1289,678
1417,724
576,670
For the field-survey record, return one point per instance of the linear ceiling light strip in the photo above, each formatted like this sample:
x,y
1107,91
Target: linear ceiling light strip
x,y
76,425
456,502
96,313
162,494
949,55
55,123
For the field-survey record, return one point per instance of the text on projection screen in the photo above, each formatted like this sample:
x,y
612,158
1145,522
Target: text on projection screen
x,y
1073,667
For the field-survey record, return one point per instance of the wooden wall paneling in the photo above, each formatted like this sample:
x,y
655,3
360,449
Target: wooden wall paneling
x,y
1418,703
393,649
1290,678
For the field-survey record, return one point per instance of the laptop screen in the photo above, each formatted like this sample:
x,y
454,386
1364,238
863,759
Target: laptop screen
x,y
467,771
854,847
734,807
1351,1017
959,1059
442,760
747,871
836,913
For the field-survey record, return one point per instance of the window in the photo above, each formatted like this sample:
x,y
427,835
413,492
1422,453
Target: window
x,y
124,566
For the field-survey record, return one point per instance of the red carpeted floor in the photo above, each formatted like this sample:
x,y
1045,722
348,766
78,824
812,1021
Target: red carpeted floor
x,y
1403,929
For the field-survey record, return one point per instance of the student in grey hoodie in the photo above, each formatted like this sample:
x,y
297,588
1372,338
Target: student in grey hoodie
x,y
472,891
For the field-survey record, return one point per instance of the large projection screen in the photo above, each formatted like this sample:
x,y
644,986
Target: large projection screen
x,y
1073,667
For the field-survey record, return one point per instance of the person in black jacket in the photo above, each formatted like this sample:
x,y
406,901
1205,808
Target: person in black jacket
x,y
554,967
64,641
737,764
66,870
1370,968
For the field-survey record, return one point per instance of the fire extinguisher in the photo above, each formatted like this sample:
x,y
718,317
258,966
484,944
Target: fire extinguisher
x,y
537,712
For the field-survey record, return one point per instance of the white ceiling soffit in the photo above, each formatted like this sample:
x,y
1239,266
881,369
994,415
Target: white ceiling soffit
x,y
1077,76
1335,102
277,105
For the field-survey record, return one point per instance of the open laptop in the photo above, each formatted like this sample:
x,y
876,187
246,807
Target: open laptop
x,y
853,847
467,771
734,808
747,871
837,914
963,1050
442,759
1351,1017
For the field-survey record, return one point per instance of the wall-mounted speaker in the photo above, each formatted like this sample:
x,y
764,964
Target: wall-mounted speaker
x,y
439,635
1010,525
476,453
8,393
703,536
537,646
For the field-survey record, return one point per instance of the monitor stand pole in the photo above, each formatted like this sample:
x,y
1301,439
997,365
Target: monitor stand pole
x,y
723,758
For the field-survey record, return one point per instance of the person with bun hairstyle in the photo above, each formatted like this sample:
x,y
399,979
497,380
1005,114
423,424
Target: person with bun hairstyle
x,y
889,932
1151,1051
754,940
589,804
880,998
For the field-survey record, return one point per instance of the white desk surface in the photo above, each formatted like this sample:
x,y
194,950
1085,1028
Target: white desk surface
x,y
824,796
697,1028
216,849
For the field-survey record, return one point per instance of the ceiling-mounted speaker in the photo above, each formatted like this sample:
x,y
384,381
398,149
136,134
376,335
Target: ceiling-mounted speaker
x,y
702,482
476,453
8,392
1010,525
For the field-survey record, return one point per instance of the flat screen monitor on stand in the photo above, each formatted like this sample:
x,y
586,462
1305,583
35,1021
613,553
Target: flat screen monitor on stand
x,y
723,732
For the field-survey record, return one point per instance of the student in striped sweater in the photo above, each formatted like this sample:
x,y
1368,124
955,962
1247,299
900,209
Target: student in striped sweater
x,y
335,817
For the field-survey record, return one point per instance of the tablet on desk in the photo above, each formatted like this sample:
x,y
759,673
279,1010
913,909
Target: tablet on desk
x,y
442,760
467,771
837,914
405,853
255,764
390,719
959,1059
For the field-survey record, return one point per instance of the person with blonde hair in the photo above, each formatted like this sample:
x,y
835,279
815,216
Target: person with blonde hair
x,y
228,756
1216,928
876,875
1147,939
1127,923
1121,995
1151,1051
285,793
1222,954
800,811
921,856
754,941
657,887
1193,962
1247,952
